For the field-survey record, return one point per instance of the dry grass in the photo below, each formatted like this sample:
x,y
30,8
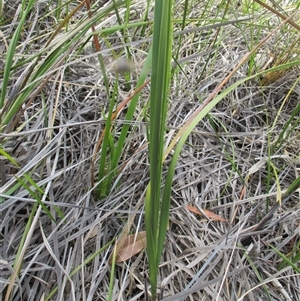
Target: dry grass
x,y
223,168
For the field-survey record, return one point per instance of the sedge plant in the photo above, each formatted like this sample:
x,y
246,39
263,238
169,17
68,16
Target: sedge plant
x,y
157,209
50,60
158,200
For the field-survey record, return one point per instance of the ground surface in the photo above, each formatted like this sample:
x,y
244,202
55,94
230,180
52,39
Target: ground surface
x,y
223,168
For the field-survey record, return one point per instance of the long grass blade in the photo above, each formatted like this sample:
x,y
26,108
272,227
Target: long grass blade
x,y
160,78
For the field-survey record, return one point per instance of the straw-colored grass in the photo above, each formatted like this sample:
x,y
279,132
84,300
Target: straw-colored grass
x,y
116,115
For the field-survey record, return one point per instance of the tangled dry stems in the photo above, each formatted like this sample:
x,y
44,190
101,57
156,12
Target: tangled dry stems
x,y
203,259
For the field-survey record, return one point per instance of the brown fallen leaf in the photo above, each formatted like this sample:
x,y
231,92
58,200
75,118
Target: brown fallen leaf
x,y
132,245
207,213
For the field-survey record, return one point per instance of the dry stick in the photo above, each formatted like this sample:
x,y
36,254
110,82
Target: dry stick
x,y
96,41
285,18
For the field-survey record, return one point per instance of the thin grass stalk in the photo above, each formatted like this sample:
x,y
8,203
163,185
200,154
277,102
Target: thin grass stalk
x,y
289,127
160,79
36,195
129,117
78,268
28,232
12,162
183,24
293,256
112,274
104,165
59,50
1,7
285,259
10,54
256,271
